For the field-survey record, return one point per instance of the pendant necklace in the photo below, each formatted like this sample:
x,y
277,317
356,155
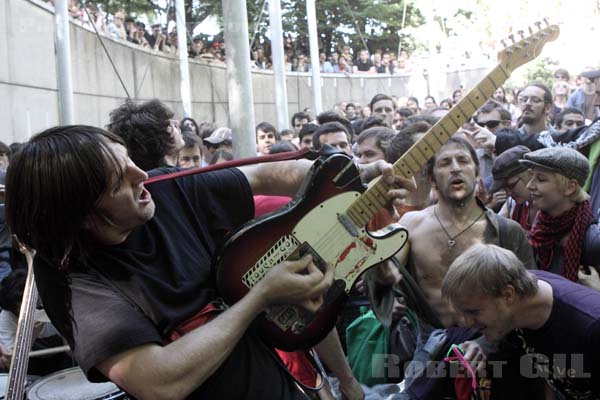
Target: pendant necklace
x,y
452,239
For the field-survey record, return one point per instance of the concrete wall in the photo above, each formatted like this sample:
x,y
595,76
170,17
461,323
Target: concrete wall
x,y
28,86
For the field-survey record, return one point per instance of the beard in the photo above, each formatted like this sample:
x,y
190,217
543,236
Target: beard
x,y
528,119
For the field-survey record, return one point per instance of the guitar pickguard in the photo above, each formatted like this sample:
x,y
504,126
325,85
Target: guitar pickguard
x,y
321,232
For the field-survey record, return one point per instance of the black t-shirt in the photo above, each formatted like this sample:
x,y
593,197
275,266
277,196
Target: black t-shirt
x,y
136,292
364,66
571,335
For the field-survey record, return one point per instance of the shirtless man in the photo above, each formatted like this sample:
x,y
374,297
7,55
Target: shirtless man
x,y
454,224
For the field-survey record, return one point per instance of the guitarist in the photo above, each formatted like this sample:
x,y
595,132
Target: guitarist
x,y
122,268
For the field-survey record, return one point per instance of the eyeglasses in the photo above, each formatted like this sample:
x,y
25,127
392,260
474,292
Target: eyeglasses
x,y
491,124
511,186
534,99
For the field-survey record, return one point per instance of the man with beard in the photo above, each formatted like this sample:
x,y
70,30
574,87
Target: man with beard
x,y
535,102
454,224
438,234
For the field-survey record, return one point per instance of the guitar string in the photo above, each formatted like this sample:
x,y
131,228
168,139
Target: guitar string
x,y
20,362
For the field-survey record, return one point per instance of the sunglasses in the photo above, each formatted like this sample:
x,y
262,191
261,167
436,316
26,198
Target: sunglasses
x,y
491,124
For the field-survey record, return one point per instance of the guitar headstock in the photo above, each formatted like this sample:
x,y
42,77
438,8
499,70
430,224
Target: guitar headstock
x,y
527,48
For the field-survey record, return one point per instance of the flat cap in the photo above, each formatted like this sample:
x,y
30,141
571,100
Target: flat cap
x,y
564,160
507,165
591,74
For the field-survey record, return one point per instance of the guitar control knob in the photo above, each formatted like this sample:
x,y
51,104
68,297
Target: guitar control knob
x,y
298,327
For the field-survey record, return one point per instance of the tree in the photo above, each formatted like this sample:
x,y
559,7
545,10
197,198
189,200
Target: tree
x,y
339,22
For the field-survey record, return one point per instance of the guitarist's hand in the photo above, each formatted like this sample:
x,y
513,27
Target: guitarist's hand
x,y
296,282
372,170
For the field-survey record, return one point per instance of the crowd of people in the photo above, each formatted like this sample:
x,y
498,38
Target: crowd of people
x,y
501,262
344,59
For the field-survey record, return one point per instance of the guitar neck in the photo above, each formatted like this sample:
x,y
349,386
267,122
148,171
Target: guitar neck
x,y
375,198
15,388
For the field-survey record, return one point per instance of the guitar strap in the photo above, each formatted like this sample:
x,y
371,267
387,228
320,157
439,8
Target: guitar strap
x,y
304,153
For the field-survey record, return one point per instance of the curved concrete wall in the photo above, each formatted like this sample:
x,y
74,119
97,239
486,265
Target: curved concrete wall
x,y
28,85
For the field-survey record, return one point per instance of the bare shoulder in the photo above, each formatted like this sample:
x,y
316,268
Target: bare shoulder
x,y
412,219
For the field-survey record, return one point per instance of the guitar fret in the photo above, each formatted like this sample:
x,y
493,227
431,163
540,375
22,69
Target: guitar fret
x,y
402,167
426,150
468,97
381,188
436,136
419,156
467,113
456,125
353,215
418,164
378,200
434,148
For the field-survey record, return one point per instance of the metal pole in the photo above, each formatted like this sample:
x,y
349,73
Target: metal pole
x,y
281,106
401,28
311,15
239,78
184,70
63,63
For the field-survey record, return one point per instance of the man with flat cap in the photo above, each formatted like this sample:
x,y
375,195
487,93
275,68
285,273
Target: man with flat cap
x,y
512,177
565,237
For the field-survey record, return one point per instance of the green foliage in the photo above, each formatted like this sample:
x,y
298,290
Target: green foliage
x,y
339,22
542,71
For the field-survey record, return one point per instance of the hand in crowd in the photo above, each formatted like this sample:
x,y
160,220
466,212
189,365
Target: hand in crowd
x,y
474,354
591,279
484,139
387,274
5,357
496,200
398,309
296,282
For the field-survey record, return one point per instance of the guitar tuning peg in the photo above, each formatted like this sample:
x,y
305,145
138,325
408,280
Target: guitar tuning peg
x,y
503,43
546,21
521,33
538,24
530,30
512,37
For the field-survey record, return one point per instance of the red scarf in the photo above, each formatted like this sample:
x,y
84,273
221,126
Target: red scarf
x,y
547,231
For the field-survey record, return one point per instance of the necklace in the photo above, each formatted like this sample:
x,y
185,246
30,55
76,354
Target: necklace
x,y
452,239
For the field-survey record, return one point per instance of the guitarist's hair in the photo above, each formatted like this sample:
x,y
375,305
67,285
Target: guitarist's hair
x,y
454,141
54,182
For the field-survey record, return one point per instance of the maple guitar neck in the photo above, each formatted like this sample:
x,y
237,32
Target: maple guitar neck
x,y
375,197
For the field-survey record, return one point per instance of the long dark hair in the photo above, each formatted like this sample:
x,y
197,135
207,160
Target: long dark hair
x,y
53,183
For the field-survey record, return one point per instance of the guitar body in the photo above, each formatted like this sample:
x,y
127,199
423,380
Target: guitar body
x,y
310,223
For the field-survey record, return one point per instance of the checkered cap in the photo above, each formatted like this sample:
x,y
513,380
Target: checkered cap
x,y
565,161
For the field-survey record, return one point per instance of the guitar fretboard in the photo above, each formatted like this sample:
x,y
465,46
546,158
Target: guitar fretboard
x,y
375,197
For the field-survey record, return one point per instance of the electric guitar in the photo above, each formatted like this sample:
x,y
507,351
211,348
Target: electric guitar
x,y
327,218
